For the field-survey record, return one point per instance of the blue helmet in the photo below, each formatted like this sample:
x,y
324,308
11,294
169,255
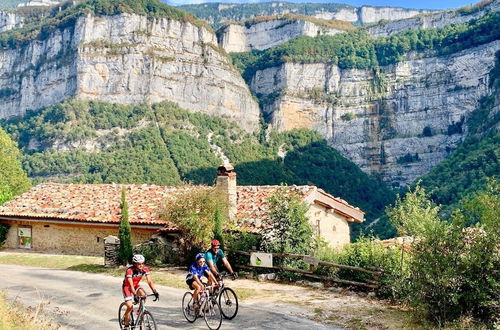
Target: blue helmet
x,y
200,255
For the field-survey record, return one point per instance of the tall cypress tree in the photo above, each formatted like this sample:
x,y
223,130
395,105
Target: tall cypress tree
x,y
125,252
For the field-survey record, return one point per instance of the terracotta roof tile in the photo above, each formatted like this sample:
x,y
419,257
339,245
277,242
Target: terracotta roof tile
x,y
92,202
101,203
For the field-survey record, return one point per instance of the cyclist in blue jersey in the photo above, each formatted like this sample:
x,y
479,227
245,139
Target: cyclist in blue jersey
x,y
214,255
197,270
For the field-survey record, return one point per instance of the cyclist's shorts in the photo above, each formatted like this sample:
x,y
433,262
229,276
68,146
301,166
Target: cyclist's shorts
x,y
189,282
127,293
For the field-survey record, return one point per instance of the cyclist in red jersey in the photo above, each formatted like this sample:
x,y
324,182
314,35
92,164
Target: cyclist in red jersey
x,y
131,289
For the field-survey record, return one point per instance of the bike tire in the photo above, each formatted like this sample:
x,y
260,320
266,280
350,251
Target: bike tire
x,y
121,312
228,302
212,315
147,322
187,302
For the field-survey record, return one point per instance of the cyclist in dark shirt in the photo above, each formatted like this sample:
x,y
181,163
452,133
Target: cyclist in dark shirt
x,y
130,287
197,270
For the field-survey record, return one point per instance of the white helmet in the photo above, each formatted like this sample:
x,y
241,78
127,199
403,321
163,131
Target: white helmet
x,y
138,259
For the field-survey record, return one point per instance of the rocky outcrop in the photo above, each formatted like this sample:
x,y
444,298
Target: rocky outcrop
x,y
126,59
397,123
40,3
367,14
268,33
433,20
218,14
10,20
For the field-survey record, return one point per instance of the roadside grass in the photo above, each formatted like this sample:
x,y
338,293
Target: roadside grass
x,y
161,276
48,261
14,317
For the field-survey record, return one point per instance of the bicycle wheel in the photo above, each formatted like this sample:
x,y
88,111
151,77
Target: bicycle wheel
x,y
187,307
212,315
147,321
121,312
228,302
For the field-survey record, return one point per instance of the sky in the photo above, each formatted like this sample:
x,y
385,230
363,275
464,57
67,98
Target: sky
x,y
424,4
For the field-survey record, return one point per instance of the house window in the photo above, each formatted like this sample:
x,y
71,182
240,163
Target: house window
x,y
334,228
24,237
318,227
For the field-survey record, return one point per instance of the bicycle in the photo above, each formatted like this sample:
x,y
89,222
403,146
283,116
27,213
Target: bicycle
x,y
208,307
142,319
226,297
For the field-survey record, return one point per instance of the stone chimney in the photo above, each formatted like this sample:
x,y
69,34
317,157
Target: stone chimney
x,y
226,182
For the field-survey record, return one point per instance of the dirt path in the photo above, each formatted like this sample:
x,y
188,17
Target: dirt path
x,y
334,306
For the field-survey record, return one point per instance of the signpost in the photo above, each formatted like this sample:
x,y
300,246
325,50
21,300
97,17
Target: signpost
x,y
259,259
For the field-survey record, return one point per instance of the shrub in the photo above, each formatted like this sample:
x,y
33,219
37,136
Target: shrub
x,y
427,131
454,269
4,230
193,212
367,253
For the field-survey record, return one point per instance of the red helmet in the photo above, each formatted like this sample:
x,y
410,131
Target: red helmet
x,y
215,243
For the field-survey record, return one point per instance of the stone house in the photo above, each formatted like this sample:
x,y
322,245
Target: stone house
x,y
74,218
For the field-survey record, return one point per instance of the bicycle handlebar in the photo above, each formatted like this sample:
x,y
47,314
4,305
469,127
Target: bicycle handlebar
x,y
148,295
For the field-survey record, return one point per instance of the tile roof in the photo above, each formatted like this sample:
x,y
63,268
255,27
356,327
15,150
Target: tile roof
x,y
252,207
98,203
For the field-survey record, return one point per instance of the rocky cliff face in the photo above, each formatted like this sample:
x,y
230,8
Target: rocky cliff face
x,y
10,20
368,15
220,13
126,59
432,20
398,123
267,34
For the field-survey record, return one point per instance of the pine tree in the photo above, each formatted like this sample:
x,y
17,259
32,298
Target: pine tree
x,y
125,252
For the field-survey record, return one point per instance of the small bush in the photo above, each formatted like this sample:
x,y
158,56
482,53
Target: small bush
x,y
4,230
370,254
348,116
427,131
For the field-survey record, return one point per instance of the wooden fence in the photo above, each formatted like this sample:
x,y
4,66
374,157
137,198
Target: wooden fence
x,y
372,283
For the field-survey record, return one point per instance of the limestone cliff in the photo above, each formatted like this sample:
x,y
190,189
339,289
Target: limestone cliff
x,y
218,13
126,59
398,122
434,20
10,20
268,33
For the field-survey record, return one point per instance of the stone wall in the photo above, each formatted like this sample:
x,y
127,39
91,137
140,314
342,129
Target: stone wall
x,y
69,239
333,227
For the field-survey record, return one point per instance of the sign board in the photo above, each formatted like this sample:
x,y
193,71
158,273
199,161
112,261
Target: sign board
x,y
311,260
260,259
24,235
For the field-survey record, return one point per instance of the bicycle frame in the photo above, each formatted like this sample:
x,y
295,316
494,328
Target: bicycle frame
x,y
142,308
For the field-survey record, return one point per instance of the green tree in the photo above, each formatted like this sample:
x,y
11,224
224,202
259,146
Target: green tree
x,y
218,225
289,230
414,214
193,211
454,266
13,180
125,252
